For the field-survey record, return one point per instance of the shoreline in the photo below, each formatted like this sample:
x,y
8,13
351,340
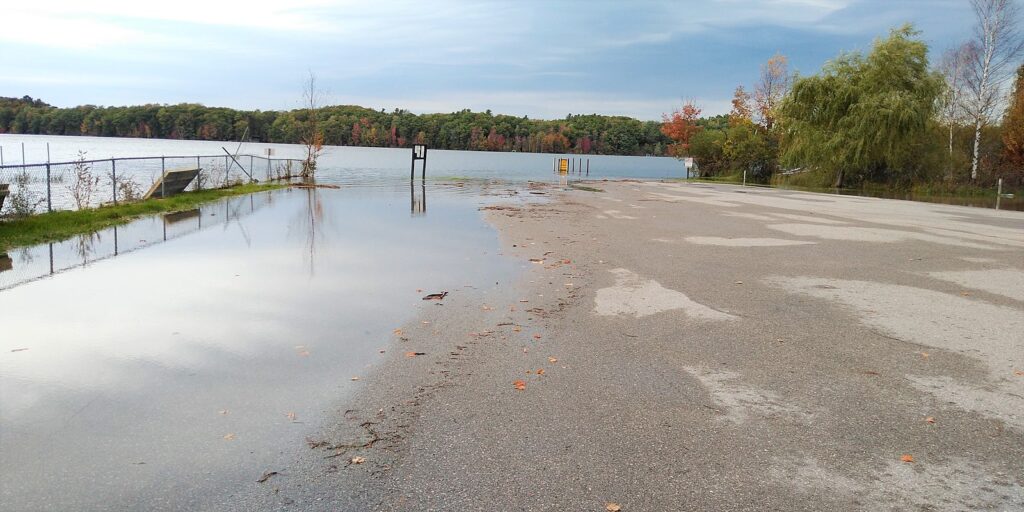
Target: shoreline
x,y
699,360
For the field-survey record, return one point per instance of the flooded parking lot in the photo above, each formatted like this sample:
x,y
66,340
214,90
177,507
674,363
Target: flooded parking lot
x,y
134,368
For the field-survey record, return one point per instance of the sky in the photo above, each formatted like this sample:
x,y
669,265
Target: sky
x,y
541,58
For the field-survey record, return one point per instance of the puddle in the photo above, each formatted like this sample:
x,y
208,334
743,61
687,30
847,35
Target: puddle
x,y
135,370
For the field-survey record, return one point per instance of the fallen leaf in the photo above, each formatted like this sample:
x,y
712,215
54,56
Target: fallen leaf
x,y
566,262
229,437
907,458
398,332
486,308
929,419
436,296
739,282
965,294
536,336
1018,373
517,329
924,355
519,385
355,378
292,416
552,360
414,354
540,371
612,507
536,260
357,460
224,411
19,350
266,476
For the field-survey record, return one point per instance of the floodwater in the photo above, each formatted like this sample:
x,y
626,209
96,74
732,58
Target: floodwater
x,y
175,360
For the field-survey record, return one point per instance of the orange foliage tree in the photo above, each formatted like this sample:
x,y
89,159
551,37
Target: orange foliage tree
x,y
741,111
681,126
1013,130
771,88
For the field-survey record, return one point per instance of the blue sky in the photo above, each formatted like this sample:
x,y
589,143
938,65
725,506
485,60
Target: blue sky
x,y
541,58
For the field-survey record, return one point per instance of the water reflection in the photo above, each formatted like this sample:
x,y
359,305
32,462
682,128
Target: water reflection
x,y
52,258
417,206
178,373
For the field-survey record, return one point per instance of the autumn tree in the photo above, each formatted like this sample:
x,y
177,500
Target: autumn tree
x,y
1013,128
313,135
996,45
681,126
771,88
741,111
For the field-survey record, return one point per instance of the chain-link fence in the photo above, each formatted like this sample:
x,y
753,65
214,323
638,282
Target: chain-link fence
x,y
26,189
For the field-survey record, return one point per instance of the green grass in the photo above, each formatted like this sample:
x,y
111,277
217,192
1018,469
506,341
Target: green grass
x,y
55,226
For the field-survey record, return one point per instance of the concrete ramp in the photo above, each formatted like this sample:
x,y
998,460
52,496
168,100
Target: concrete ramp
x,y
173,183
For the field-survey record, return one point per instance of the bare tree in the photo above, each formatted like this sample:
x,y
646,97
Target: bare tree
x,y
954,68
773,85
994,51
313,136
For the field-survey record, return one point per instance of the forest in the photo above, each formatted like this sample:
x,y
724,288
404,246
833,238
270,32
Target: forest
x,y
889,117
342,125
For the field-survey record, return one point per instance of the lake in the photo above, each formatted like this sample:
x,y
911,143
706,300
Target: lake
x,y
345,164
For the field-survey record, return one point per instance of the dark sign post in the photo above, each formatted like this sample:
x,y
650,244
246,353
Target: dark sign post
x,y
419,152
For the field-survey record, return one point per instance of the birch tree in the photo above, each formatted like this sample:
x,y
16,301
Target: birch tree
x,y
995,48
954,68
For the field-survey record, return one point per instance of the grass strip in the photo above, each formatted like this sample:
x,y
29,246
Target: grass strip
x,y
59,225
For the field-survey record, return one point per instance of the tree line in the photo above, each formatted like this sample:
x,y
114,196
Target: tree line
x,y
886,116
342,125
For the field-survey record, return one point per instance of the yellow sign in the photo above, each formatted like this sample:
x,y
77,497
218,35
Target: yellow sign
x,y
563,165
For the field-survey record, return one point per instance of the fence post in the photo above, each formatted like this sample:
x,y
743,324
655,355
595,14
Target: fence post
x,y
199,180
163,177
113,185
49,201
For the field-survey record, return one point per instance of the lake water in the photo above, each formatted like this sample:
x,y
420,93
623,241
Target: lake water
x,y
172,361
346,164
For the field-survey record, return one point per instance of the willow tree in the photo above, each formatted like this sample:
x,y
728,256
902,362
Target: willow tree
x,y
863,115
